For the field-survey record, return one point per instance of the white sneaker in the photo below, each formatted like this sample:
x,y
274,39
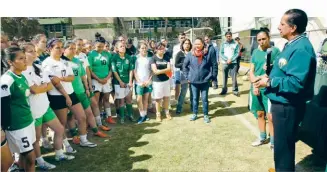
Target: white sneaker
x,y
64,157
45,166
46,144
88,144
114,116
70,149
259,142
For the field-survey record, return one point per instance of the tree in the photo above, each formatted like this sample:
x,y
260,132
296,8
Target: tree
x,y
212,22
20,27
119,26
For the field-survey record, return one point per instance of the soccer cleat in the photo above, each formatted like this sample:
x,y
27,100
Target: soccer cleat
x,y
259,142
76,140
141,120
70,149
110,120
46,166
100,134
131,118
193,117
64,157
46,144
104,128
88,144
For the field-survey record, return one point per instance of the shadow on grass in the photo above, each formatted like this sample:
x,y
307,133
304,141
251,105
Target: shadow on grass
x,y
112,154
312,163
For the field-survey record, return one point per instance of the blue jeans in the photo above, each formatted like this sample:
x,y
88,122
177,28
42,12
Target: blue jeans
x,y
196,89
181,98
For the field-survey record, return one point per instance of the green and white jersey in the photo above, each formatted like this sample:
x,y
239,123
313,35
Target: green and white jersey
x,y
39,103
79,72
17,88
83,58
122,67
100,63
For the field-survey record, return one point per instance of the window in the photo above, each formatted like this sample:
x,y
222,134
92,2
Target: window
x,y
58,28
147,24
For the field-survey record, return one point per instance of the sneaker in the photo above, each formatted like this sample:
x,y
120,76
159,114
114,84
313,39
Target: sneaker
x,y
131,118
193,117
122,120
223,93
14,167
236,94
70,149
76,140
64,157
45,166
168,116
259,142
158,118
88,144
147,118
100,134
110,120
46,144
206,119
104,128
215,87
141,120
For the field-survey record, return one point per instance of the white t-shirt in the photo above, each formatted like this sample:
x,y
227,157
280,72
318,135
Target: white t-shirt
x,y
39,103
142,68
83,58
61,68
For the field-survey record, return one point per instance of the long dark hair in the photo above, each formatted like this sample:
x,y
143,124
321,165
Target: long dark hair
x,y
24,48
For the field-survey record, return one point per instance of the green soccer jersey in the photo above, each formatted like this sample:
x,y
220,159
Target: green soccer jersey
x,y
122,67
100,63
17,88
259,60
79,72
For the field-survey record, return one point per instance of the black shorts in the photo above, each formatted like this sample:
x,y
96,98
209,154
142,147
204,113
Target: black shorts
x,y
59,102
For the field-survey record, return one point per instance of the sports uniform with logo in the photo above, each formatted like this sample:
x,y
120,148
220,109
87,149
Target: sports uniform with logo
x,y
59,68
260,102
20,132
100,64
123,67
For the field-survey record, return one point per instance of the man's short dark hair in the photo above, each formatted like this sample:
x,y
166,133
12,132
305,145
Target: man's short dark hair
x,y
181,34
237,38
228,33
298,18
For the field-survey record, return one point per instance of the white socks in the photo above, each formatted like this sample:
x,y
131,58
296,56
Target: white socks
x,y
98,120
40,160
83,138
108,112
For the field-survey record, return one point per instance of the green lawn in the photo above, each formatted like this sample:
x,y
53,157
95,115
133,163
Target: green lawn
x,y
182,145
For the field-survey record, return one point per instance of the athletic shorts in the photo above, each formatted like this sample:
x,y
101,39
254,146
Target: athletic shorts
x,y
121,93
140,91
59,102
85,101
22,140
48,116
161,89
103,88
258,103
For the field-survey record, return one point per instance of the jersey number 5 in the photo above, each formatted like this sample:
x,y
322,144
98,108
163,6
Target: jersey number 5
x,y
26,143
75,72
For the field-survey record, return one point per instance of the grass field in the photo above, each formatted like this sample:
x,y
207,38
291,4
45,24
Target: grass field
x,y
182,145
